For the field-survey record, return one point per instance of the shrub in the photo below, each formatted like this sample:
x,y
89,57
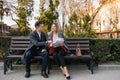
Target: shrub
x,y
105,49
4,44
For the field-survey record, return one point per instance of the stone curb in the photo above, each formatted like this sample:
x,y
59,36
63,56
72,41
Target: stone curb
x,y
54,67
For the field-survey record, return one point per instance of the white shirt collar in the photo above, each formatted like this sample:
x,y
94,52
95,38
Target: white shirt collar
x,y
39,33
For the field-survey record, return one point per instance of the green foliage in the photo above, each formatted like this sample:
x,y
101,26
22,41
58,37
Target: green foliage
x,y
4,45
80,26
48,16
105,49
87,26
68,33
24,11
56,3
17,32
73,20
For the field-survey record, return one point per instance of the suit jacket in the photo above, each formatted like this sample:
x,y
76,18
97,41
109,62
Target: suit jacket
x,y
60,34
36,43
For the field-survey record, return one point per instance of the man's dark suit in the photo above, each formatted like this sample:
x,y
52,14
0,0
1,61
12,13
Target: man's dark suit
x,y
37,44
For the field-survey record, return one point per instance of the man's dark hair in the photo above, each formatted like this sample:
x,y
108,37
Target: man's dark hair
x,y
38,23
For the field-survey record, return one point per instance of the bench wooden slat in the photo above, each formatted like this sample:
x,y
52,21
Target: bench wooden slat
x,y
18,49
78,38
66,41
20,38
20,45
69,45
80,42
80,48
51,57
69,48
20,42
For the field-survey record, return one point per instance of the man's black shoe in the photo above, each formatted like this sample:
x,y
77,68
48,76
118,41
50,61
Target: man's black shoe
x,y
44,74
27,75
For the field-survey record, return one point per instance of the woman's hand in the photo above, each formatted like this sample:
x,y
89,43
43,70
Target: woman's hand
x,y
50,41
51,44
61,44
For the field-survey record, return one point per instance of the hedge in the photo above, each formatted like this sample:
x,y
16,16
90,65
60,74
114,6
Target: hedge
x,y
104,49
4,44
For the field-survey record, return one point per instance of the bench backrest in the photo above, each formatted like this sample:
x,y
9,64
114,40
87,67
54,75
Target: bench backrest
x,y
22,43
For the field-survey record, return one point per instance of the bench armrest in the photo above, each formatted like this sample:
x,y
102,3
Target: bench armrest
x,y
91,53
6,54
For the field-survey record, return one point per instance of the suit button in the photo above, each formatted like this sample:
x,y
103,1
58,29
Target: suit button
x,y
37,47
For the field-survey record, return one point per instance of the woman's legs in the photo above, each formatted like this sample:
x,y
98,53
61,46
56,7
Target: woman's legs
x,y
62,62
60,54
66,71
62,70
55,56
59,59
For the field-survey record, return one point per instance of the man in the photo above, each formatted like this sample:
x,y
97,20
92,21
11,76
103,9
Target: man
x,y
37,47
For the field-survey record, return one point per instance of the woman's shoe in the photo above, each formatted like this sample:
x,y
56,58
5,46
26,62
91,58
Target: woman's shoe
x,y
68,77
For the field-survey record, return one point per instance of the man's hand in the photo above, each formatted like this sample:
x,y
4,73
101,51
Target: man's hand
x,y
43,50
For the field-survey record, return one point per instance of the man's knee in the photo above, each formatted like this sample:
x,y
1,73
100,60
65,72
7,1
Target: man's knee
x,y
28,54
46,54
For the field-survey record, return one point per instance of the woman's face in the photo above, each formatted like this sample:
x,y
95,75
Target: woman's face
x,y
53,28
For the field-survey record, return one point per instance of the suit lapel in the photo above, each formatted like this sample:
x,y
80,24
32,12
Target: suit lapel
x,y
36,35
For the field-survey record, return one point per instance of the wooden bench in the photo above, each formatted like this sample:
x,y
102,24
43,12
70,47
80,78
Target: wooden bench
x,y
21,44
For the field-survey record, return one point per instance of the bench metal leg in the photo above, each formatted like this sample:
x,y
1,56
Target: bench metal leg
x,y
91,67
88,65
11,67
5,66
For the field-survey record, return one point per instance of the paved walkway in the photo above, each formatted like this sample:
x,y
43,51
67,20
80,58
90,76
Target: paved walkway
x,y
76,74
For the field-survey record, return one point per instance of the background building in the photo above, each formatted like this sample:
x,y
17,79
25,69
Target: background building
x,y
4,29
107,21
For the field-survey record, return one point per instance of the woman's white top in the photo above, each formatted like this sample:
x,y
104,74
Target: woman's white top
x,y
57,40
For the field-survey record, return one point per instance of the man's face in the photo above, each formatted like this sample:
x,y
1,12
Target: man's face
x,y
40,27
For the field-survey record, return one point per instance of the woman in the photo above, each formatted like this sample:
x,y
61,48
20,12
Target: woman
x,y
57,41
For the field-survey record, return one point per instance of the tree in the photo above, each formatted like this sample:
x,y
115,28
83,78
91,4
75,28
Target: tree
x,y
23,11
82,7
87,28
48,16
79,27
